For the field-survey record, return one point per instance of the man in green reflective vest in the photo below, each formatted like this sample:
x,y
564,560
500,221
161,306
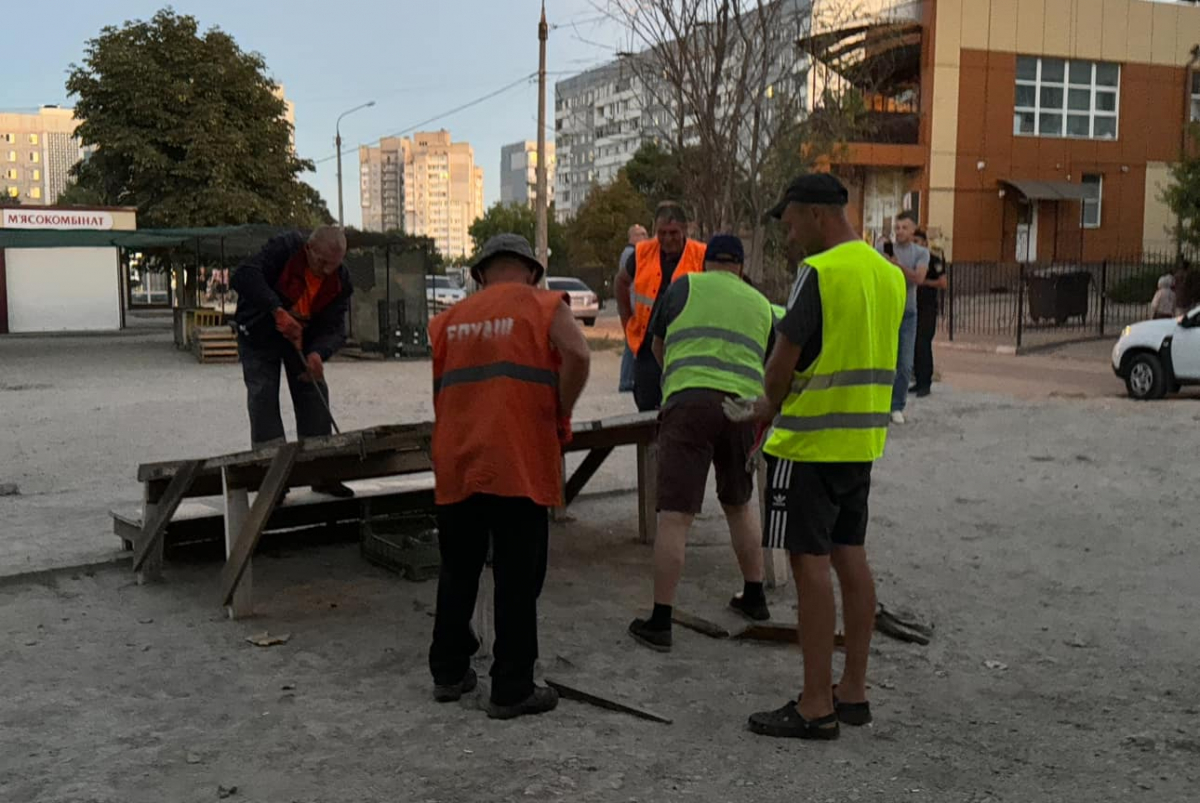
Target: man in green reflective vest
x,y
828,392
711,333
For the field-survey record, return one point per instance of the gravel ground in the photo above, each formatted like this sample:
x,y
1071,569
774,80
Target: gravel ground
x,y
1050,541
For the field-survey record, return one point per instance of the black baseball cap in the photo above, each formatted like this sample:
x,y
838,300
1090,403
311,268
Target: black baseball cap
x,y
812,188
725,248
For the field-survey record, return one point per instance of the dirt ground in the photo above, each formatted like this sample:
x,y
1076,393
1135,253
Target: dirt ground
x,y
1049,538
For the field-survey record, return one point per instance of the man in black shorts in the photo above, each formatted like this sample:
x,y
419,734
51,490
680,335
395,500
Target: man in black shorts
x,y
828,392
711,332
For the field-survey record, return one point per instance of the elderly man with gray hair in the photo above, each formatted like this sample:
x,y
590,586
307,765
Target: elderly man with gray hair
x,y
293,297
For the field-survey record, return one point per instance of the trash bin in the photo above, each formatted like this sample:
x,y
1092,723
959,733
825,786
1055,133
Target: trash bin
x,y
1058,296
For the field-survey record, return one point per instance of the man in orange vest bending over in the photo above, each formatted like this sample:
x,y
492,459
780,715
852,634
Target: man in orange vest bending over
x,y
509,363
655,264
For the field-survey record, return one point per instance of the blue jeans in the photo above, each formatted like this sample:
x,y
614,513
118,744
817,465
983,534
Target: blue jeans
x,y
904,360
625,384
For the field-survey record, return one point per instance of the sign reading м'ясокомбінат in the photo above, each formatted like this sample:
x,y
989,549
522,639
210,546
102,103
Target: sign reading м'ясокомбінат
x,y
57,219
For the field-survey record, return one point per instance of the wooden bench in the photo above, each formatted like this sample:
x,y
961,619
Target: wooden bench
x,y
363,454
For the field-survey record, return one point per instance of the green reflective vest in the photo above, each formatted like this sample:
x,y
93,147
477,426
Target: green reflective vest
x,y
720,339
778,311
838,407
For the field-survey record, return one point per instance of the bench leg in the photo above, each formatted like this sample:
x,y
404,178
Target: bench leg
x,y
237,510
647,470
152,566
484,621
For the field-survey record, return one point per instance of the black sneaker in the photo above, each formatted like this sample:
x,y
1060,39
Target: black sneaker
x,y
855,714
754,610
653,638
542,700
922,392
336,489
786,723
449,693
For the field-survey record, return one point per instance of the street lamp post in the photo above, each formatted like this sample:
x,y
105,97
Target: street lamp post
x,y
338,141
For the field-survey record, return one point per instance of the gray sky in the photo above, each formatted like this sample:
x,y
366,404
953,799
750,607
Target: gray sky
x,y
415,59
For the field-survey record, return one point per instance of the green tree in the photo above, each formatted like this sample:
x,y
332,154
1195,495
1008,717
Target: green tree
x,y
1182,195
656,173
599,231
8,200
520,219
187,127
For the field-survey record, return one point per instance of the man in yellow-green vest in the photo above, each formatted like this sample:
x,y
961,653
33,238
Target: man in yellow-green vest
x,y
828,392
711,333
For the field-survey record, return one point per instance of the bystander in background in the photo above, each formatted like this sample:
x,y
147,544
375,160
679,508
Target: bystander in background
x,y
928,304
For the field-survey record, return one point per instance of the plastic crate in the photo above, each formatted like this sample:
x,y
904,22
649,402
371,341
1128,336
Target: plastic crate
x,y
406,544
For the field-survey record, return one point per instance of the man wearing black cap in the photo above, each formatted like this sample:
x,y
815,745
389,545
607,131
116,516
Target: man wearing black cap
x,y
509,363
711,332
828,393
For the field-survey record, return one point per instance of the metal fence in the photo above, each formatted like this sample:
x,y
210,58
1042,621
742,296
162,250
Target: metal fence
x,y
1031,304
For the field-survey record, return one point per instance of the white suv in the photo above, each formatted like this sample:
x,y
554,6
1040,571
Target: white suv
x,y
585,305
1159,356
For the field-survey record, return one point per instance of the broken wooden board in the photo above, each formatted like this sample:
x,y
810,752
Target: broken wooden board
x,y
150,538
777,632
568,692
699,624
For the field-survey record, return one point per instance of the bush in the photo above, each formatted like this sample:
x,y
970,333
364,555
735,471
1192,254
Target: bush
x,y
1138,288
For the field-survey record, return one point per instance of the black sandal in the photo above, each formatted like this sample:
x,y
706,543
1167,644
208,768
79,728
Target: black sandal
x,y
855,714
786,723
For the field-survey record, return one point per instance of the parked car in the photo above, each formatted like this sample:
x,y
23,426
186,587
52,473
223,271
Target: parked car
x,y
441,292
585,305
1160,356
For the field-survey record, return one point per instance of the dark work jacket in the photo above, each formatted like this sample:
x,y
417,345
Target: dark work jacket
x,y
256,281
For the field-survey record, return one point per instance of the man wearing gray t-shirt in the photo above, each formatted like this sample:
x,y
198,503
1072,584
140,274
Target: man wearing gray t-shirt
x,y
913,262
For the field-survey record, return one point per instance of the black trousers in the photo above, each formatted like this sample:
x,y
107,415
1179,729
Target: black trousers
x,y
647,380
519,531
923,357
260,369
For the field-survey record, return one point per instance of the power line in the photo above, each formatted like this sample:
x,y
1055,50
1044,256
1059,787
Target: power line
x,y
481,99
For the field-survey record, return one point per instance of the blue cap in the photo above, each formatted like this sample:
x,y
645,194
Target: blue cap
x,y
726,248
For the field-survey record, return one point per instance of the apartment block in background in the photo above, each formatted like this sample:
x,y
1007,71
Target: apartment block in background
x,y
37,151
518,173
1028,130
426,186
289,111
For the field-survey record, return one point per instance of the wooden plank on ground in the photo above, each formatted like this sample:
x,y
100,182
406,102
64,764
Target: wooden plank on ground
x,y
570,692
700,625
584,472
268,497
154,526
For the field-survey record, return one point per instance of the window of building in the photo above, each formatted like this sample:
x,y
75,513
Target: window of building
x,y
9,138
1196,97
14,192
1090,213
35,157
11,175
35,193
37,175
12,156
1060,98
33,139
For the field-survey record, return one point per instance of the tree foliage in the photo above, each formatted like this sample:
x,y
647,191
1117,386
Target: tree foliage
x,y
520,219
187,127
8,200
656,173
1182,195
598,232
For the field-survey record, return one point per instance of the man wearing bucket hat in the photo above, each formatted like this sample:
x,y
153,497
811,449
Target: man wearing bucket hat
x,y
509,363
711,332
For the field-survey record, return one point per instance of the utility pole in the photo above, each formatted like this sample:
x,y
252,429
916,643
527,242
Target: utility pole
x,y
542,234
337,139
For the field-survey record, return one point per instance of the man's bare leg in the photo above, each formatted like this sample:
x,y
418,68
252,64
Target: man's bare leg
x,y
669,548
818,620
746,534
858,615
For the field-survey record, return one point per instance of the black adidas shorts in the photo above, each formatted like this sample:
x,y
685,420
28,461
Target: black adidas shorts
x,y
814,507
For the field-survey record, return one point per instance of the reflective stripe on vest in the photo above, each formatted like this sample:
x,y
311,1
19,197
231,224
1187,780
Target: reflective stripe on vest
x,y
647,284
496,370
719,339
838,408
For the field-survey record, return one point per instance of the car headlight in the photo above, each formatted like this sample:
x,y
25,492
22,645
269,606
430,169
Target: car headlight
x,y
1125,332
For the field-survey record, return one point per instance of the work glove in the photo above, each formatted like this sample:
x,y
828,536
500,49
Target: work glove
x,y
289,327
564,430
316,368
742,410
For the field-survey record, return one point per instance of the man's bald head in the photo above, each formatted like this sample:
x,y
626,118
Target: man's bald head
x,y
637,233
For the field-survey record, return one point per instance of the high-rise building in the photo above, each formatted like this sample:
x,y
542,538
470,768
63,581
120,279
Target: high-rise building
x,y
518,173
426,186
289,111
37,151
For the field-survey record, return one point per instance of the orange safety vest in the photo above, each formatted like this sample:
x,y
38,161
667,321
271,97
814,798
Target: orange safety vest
x,y
495,397
648,282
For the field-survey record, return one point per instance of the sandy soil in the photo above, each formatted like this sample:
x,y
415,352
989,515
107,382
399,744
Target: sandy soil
x,y
1052,537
